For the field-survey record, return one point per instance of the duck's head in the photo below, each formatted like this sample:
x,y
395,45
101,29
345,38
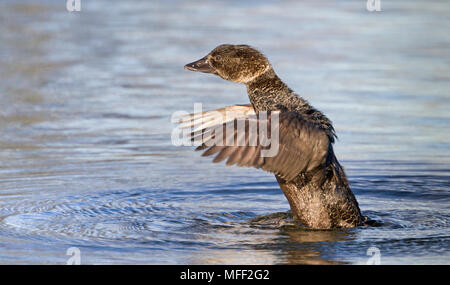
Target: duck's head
x,y
238,63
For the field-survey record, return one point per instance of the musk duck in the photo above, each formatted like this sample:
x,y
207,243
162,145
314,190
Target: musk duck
x,y
304,165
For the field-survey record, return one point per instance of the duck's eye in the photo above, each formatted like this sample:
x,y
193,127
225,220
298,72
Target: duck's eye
x,y
218,57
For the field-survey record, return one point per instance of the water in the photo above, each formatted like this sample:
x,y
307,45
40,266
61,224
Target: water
x,y
86,158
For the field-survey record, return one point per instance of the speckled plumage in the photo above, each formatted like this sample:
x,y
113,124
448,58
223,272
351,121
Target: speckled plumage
x,y
319,195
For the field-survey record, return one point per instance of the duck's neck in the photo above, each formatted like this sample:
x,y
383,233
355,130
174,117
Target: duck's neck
x,y
268,92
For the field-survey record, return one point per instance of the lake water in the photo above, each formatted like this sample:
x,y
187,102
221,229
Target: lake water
x,y
86,158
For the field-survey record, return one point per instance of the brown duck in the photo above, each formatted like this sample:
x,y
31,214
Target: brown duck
x,y
305,165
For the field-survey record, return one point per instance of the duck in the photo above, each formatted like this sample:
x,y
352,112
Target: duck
x,y
304,164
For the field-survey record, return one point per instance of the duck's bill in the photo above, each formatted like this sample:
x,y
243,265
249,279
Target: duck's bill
x,y
200,65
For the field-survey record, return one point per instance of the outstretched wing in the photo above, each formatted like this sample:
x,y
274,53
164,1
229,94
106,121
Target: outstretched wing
x,y
279,142
213,118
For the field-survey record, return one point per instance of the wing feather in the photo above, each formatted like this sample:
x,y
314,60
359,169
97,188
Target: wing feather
x,y
302,146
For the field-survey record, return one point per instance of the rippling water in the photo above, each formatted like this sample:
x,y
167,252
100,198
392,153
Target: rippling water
x,y
86,158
